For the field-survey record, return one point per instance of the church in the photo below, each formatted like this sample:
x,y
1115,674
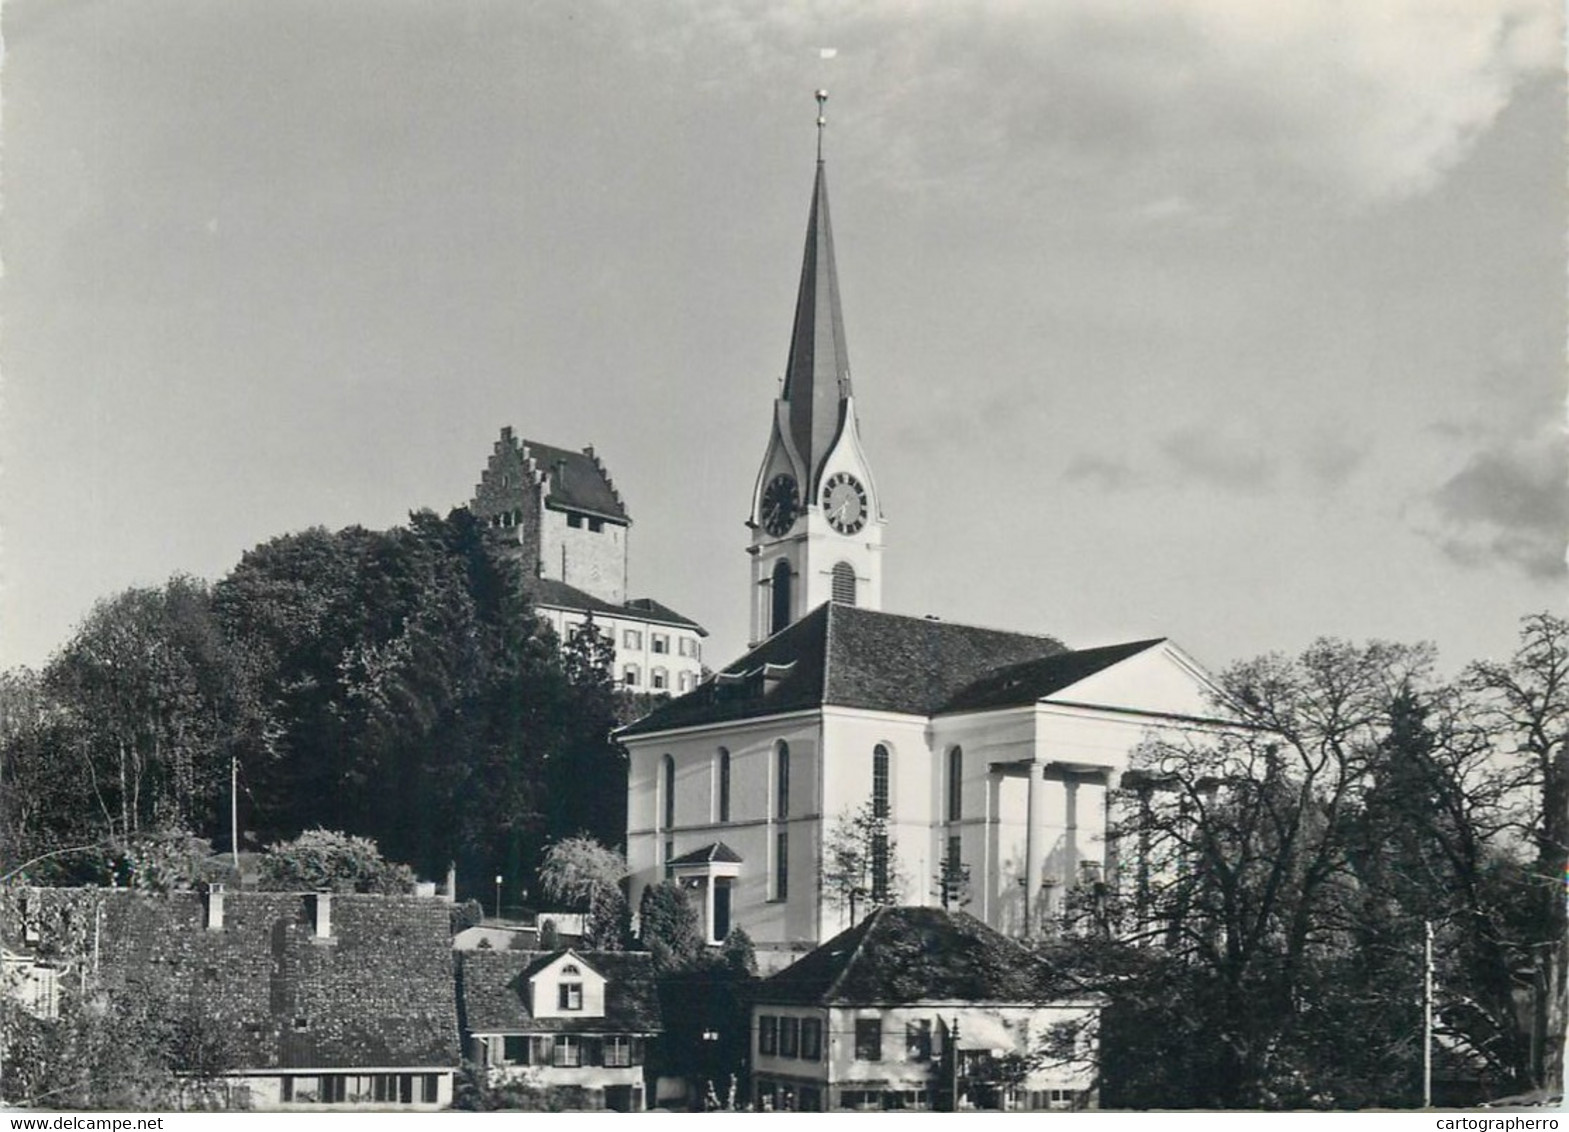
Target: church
x,y
979,753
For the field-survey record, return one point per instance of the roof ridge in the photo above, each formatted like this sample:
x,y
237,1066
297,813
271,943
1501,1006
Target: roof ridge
x,y
855,952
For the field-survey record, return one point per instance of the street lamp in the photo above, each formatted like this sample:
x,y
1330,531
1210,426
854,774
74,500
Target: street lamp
x,y
498,897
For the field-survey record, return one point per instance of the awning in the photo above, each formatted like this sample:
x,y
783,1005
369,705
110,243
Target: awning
x,y
986,1031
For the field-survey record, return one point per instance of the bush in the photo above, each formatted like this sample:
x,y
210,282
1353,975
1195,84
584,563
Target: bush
x,y
467,915
325,859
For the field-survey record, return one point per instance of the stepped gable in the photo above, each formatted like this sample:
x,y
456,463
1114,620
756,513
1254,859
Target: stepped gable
x,y
493,992
575,481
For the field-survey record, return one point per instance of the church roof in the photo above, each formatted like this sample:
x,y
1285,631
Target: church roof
x,y
850,657
548,591
576,481
817,376
1034,680
493,993
902,955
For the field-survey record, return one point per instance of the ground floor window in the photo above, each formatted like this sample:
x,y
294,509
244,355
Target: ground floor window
x,y
886,1100
569,1051
1042,1100
618,1052
361,1088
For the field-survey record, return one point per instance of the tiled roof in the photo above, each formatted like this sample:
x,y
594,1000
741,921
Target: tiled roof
x,y
576,481
903,955
493,993
718,851
377,993
1036,679
548,591
851,657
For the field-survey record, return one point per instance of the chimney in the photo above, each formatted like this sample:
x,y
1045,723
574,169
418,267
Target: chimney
x,y
215,907
324,915
452,882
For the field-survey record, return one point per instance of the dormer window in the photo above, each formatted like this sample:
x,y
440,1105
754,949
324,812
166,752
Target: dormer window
x,y
570,969
569,996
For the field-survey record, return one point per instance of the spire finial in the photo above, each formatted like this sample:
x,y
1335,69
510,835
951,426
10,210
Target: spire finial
x,y
822,120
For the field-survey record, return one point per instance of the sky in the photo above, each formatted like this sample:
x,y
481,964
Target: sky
x,y
1240,324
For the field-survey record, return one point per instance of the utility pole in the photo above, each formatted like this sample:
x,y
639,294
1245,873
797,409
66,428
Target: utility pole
x,y
1427,1015
234,815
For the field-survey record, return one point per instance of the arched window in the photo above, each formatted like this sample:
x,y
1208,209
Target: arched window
x,y
955,783
844,583
781,596
670,793
880,781
722,786
570,969
782,781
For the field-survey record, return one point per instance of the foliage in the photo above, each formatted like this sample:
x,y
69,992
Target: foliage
x,y
861,865
669,927
587,756
469,914
738,952
549,936
586,876
475,1092
326,859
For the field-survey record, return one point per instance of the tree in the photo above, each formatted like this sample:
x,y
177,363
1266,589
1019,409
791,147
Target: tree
x,y
1526,701
586,778
325,859
586,876
668,926
860,861
739,952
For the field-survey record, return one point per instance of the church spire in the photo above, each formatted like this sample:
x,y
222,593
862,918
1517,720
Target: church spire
x,y
817,377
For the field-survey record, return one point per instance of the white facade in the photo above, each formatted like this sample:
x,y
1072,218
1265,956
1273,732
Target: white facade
x,y
1031,808
651,655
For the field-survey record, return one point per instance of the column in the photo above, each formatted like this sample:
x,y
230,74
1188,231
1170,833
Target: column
x,y
1109,866
1034,847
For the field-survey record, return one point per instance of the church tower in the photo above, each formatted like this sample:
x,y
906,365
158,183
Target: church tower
x,y
817,522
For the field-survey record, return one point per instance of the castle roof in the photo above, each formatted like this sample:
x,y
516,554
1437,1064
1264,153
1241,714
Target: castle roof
x,y
817,376
494,995
549,592
576,481
905,955
845,656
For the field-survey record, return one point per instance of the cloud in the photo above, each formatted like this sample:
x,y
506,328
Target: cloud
x,y
1509,504
1108,472
1191,102
1219,455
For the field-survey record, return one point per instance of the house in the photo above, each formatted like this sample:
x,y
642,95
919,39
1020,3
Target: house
x,y
324,1001
565,523
570,1020
918,1008
991,754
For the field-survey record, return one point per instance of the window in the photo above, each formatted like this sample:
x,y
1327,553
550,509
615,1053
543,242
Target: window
x,y
286,1090
843,586
768,1034
880,781
811,1039
658,679
618,1051
918,1040
955,783
596,525
332,1088
569,996
629,677
632,639
660,642
574,519
782,781
811,1098
868,1039
514,1049
685,682
722,787
789,1037
569,1051
782,867
670,793
429,1087
780,613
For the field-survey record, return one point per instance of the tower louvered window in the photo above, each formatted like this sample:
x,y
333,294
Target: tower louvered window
x,y
844,583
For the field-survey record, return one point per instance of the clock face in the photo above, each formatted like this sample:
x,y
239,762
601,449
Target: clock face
x,y
781,504
844,502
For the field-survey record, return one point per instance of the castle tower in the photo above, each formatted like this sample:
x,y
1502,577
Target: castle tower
x,y
817,522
